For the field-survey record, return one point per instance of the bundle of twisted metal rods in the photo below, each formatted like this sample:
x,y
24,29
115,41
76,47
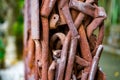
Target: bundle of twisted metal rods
x,y
63,39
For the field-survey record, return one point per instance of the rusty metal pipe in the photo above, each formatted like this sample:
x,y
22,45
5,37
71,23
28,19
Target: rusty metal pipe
x,y
97,21
78,60
38,61
51,71
69,20
81,16
27,26
30,57
85,50
27,21
64,53
101,34
57,67
87,8
45,48
61,36
41,68
86,54
71,58
61,4
31,53
62,19
95,63
81,61
47,7
83,7
35,30
93,25
100,38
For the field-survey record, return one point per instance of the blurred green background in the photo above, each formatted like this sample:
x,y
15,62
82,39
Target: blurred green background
x,y
11,31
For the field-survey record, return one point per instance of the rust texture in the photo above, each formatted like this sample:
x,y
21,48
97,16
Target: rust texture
x,y
63,60
95,63
35,30
27,25
45,51
71,59
59,39
51,71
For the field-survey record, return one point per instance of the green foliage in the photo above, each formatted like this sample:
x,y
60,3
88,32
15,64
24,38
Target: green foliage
x,y
18,29
18,25
112,9
2,50
21,3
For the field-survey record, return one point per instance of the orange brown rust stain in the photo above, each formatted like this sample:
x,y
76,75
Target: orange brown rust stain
x,y
85,49
59,39
45,46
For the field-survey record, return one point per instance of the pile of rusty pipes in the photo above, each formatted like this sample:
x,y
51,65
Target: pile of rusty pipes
x,y
59,39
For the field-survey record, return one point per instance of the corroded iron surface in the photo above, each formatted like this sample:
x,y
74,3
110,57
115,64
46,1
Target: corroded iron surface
x,y
59,39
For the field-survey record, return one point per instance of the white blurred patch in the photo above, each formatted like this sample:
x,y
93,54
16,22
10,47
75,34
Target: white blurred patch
x,y
10,55
15,72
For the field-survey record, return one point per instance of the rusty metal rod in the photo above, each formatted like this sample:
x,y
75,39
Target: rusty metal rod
x,y
47,7
101,34
64,53
81,61
95,63
77,22
60,5
45,48
71,58
78,60
57,67
27,21
38,61
31,52
60,36
83,7
87,8
86,54
42,68
85,49
35,28
27,26
69,20
51,71
93,25
81,16
100,38
30,57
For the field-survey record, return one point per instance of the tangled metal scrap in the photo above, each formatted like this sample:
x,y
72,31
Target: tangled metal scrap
x,y
59,39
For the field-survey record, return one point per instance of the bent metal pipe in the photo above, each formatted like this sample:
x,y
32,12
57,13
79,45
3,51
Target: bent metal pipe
x,y
59,39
